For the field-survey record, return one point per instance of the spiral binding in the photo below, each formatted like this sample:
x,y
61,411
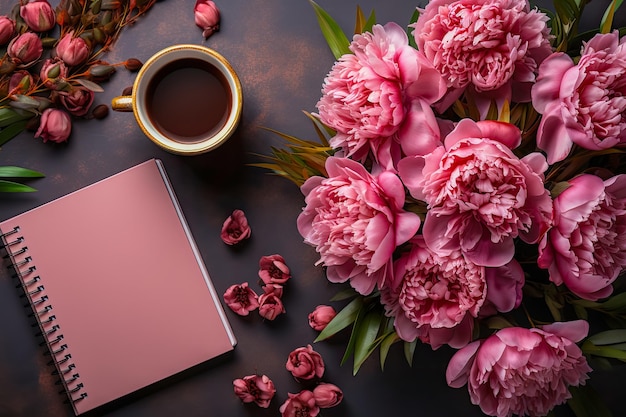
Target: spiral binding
x,y
23,265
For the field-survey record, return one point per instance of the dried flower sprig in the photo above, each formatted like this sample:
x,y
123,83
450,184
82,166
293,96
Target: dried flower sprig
x,y
52,64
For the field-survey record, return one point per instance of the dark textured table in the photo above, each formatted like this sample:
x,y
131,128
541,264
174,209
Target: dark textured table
x,y
281,57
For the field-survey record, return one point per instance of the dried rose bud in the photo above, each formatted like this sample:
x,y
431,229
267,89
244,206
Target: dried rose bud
x,y
7,29
133,64
321,316
38,15
207,17
100,111
72,50
25,49
127,91
327,395
55,126
255,388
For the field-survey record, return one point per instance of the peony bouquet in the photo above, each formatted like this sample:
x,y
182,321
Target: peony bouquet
x,y
468,189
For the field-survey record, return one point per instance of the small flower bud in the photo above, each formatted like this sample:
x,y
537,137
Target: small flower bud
x,y
7,29
101,71
110,5
100,111
133,64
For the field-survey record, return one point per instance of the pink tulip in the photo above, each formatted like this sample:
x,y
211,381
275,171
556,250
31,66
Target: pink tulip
x,y
305,363
321,316
273,269
21,82
327,395
55,126
241,299
207,17
301,404
255,388
7,29
38,15
235,228
25,49
72,50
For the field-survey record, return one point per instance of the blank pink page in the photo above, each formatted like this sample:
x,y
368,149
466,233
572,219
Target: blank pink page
x,y
127,286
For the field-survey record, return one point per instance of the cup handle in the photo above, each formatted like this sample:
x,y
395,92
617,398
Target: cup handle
x,y
122,103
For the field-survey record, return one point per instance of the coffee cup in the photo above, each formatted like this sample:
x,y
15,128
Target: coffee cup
x,y
186,98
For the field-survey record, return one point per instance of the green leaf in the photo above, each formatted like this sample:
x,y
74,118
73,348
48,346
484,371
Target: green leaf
x,y
385,345
409,351
607,20
343,319
12,131
604,351
608,337
336,39
14,187
90,85
9,116
19,172
366,331
586,402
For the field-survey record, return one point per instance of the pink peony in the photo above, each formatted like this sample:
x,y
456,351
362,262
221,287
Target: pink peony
x,y
235,228
7,29
241,299
255,388
25,49
586,248
504,288
38,14
378,98
207,17
270,304
435,291
480,195
301,404
327,395
321,316
522,371
491,48
355,221
273,269
304,363
72,50
584,103
55,126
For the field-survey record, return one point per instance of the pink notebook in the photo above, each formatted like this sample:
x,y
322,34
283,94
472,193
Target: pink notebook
x,y
118,285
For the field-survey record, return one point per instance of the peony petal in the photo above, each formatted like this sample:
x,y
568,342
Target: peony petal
x,y
457,372
551,72
575,330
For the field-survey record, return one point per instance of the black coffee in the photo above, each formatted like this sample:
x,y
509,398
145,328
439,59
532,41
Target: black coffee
x,y
188,100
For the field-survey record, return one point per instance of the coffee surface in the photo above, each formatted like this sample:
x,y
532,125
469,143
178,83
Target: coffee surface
x,y
188,100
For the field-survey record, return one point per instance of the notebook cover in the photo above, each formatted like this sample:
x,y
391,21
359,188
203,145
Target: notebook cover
x,y
121,286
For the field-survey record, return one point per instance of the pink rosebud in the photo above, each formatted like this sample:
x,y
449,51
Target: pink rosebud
x,y
55,126
72,50
7,29
305,363
38,15
321,316
241,299
301,404
25,49
327,395
207,17
272,269
20,82
255,388
52,71
270,304
274,289
235,228
77,101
